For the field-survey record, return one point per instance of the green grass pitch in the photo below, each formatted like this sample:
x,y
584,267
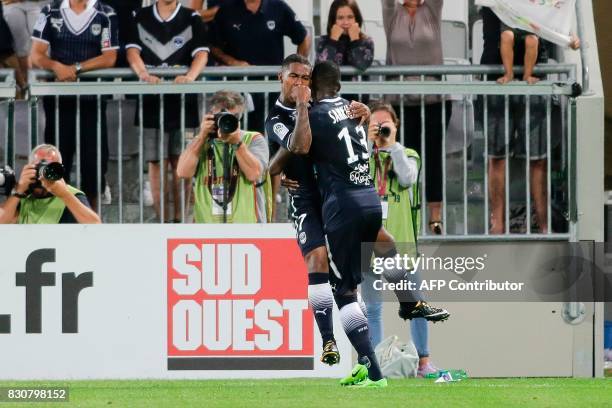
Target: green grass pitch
x,y
326,393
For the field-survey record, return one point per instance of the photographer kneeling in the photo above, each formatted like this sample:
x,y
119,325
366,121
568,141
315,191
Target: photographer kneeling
x,y
41,196
236,159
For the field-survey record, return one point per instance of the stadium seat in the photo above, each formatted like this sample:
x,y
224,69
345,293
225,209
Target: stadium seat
x,y
454,39
456,10
376,30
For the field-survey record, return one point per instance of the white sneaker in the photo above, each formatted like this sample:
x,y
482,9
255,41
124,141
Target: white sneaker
x,y
147,196
107,198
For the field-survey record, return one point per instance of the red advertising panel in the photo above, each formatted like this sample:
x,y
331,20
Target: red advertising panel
x,y
238,304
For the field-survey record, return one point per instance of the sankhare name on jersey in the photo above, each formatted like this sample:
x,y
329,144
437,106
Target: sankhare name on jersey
x,y
452,285
339,114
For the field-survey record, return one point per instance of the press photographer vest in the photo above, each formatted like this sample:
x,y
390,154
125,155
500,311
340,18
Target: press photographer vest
x,y
403,211
228,187
43,210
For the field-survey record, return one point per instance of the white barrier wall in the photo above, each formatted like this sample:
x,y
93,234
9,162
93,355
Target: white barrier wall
x,y
157,301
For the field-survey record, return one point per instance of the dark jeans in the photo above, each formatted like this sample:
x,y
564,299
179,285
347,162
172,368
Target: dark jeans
x,y
88,137
257,118
433,142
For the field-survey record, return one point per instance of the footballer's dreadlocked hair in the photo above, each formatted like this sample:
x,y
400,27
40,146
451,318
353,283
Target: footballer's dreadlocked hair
x,y
294,59
325,75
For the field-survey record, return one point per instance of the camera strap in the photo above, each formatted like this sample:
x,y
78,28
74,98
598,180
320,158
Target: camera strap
x,y
229,179
381,174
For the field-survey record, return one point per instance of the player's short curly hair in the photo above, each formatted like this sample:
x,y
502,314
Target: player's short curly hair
x,y
294,59
325,74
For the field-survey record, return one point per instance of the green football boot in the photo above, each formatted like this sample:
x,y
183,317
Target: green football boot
x,y
358,374
367,383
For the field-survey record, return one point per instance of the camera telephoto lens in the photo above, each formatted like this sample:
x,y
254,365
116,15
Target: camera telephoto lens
x,y
226,122
384,131
51,171
7,180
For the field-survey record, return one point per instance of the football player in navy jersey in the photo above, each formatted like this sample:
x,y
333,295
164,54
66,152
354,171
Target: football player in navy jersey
x,y
305,207
337,144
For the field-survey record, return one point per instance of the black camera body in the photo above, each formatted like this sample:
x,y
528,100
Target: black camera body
x,y
383,131
7,180
226,122
50,171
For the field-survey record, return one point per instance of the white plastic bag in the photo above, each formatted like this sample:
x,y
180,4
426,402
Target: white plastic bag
x,y
397,359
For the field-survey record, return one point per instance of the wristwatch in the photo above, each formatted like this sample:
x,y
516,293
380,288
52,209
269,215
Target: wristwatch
x,y
237,145
78,68
15,193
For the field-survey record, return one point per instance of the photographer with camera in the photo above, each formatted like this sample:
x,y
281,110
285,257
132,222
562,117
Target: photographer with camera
x,y
395,171
229,165
41,196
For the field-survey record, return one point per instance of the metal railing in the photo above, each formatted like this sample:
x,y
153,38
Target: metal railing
x,y
462,82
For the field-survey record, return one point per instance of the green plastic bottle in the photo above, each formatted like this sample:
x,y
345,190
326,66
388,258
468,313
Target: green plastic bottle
x,y
457,374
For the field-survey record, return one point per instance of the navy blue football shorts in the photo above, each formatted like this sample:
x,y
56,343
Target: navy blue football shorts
x,y
306,215
344,248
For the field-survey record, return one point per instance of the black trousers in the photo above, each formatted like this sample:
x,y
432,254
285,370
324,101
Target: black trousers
x,y
433,142
257,118
88,137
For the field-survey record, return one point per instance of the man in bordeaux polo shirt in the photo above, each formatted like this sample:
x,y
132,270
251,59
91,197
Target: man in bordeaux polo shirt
x,y
70,37
251,32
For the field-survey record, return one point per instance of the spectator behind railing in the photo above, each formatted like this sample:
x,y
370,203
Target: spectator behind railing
x,y
40,199
413,30
229,166
167,34
7,55
345,43
251,32
93,45
516,124
125,9
21,17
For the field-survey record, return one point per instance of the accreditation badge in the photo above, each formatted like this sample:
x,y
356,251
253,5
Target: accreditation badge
x,y
218,197
385,207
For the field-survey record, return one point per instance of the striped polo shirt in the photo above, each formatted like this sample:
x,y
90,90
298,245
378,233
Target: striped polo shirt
x,y
75,37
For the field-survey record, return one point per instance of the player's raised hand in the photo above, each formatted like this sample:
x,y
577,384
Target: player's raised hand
x,y
301,94
359,110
